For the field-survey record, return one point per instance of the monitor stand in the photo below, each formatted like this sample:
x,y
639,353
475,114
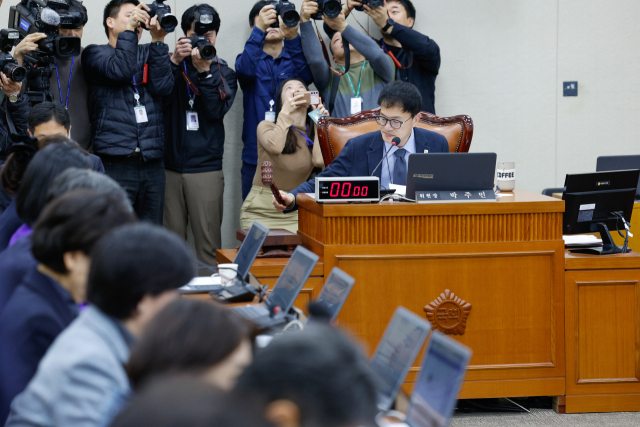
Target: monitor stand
x,y
608,246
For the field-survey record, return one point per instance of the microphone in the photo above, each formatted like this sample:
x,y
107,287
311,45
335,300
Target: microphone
x,y
394,142
50,17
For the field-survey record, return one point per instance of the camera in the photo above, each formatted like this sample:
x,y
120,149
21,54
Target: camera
x,y
204,46
371,3
329,8
8,64
168,21
287,11
202,24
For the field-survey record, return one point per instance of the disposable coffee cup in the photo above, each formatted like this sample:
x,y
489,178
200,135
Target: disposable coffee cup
x,y
228,273
506,176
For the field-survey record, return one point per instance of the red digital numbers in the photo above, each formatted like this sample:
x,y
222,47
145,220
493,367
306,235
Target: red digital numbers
x,y
346,190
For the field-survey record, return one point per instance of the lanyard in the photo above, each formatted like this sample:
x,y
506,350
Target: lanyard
x,y
189,85
137,95
66,104
309,142
356,94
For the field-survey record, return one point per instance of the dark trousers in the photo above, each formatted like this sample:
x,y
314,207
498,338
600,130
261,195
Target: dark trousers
x,y
248,171
143,181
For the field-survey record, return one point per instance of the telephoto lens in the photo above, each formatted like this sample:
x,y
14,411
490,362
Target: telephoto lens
x,y
168,21
372,4
204,46
329,8
15,72
287,11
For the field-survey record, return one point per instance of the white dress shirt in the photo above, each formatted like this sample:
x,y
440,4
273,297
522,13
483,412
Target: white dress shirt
x,y
389,163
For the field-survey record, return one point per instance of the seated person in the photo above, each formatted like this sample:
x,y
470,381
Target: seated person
x,y
400,104
135,272
46,301
316,377
291,145
369,71
179,341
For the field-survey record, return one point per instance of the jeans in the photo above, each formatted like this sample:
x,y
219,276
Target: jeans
x,y
248,171
143,181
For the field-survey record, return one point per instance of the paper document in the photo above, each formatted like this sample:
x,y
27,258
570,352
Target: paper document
x,y
581,240
400,189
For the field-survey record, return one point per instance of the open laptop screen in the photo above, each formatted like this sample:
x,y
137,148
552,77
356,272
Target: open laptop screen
x,y
293,277
398,348
335,291
436,391
250,248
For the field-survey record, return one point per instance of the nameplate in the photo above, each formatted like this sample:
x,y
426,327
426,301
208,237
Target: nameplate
x,y
474,196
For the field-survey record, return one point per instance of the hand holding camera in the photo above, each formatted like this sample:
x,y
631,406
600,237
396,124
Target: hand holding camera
x,y
28,44
309,8
9,87
138,17
199,62
378,15
156,30
338,23
182,50
267,17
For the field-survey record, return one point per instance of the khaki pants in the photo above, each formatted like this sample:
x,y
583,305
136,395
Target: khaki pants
x,y
258,207
196,198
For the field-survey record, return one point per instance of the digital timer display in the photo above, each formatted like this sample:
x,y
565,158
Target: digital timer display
x,y
348,189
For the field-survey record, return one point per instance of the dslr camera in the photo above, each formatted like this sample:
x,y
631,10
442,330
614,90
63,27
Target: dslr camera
x,y
202,24
168,21
329,8
8,64
287,11
371,3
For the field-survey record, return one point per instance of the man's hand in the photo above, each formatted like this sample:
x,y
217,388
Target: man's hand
x,y
349,5
9,87
28,44
379,16
338,23
138,16
289,33
182,50
309,7
288,198
266,17
200,64
157,33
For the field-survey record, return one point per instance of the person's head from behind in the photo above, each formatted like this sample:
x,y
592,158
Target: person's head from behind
x,y
49,119
400,103
85,179
68,229
192,337
188,21
273,34
316,377
46,165
401,11
116,16
77,7
136,271
186,401
287,90
20,153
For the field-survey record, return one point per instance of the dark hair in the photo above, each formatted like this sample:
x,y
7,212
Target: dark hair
x,y
255,11
112,9
133,261
77,6
189,16
46,165
186,401
291,144
401,94
75,179
21,151
318,369
74,222
180,339
47,111
408,6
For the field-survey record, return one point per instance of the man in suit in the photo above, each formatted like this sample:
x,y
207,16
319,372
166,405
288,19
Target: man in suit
x,y
400,104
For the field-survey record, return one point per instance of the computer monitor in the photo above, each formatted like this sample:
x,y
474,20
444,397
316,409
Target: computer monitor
x,y
250,248
618,163
597,202
293,277
335,291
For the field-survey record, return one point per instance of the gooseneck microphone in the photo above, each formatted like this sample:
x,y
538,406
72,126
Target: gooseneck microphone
x,y
394,142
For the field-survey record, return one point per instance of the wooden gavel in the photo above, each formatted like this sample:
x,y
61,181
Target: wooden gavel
x,y
267,179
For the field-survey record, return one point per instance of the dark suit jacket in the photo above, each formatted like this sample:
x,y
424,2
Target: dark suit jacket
x,y
15,261
361,155
37,312
9,223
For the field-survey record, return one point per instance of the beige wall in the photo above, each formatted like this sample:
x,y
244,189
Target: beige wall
x,y
503,63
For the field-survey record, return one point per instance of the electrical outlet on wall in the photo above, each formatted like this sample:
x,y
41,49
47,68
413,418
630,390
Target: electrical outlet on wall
x,y
570,88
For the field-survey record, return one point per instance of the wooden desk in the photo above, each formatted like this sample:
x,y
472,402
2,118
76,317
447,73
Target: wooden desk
x,y
506,259
602,314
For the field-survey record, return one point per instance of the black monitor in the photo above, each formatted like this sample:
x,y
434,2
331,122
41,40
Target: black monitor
x,y
618,163
597,202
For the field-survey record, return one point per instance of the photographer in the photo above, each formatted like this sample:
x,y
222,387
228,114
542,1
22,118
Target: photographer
x,y
14,107
66,70
262,67
126,84
369,70
203,93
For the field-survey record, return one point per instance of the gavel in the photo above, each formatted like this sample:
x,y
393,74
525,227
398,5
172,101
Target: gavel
x,y
267,179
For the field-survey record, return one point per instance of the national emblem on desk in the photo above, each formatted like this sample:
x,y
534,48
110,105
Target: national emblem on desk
x,y
448,313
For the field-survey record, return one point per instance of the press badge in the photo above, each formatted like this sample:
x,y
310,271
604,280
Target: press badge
x,y
141,114
356,105
192,120
270,115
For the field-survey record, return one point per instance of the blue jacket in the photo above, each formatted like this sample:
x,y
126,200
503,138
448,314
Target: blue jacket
x,y
37,312
15,261
9,223
361,155
109,73
260,76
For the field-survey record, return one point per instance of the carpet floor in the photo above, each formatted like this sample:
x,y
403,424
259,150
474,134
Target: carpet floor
x,y
545,418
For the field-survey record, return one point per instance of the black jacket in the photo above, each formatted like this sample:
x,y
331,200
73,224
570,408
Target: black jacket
x,y
109,73
202,150
19,112
426,62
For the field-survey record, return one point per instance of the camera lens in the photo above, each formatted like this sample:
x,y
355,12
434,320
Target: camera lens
x,y
332,8
290,18
207,52
15,72
168,22
376,3
65,47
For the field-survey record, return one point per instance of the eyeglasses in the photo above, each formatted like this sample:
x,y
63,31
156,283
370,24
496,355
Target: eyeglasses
x,y
396,124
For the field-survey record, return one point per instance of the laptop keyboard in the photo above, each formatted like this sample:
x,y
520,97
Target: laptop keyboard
x,y
251,311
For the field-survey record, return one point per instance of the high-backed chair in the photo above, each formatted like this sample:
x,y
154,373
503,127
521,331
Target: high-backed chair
x,y
334,133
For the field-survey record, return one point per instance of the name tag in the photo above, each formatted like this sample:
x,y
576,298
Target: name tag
x,y
141,114
356,105
270,116
192,121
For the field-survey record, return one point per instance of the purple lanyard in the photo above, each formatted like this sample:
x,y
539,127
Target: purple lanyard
x,y
66,104
309,142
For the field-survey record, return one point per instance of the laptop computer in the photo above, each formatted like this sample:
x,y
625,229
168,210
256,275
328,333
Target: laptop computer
x,y
335,292
436,391
450,172
288,286
617,163
396,352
